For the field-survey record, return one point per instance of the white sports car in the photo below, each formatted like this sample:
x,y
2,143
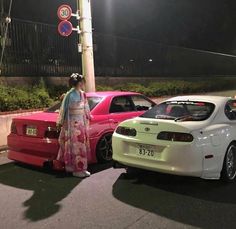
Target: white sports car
x,y
185,135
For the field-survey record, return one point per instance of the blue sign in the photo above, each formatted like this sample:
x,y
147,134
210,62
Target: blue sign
x,y
65,28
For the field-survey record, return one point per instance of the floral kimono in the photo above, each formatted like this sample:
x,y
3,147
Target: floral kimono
x,y
74,139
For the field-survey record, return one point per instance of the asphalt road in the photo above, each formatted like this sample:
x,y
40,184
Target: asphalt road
x,y
34,198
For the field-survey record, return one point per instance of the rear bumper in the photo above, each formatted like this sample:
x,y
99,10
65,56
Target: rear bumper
x,y
123,163
35,160
41,152
173,158
40,147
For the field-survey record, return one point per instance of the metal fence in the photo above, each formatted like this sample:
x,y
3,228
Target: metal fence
x,y
36,49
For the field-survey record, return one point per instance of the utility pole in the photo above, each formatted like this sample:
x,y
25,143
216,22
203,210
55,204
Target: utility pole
x,y
86,43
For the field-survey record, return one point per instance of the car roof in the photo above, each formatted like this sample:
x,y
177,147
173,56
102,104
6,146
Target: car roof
x,y
110,93
203,98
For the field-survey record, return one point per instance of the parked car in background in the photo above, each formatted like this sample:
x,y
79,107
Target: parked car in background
x,y
34,138
185,135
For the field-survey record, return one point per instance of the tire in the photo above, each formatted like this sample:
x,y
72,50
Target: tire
x,y
104,149
228,172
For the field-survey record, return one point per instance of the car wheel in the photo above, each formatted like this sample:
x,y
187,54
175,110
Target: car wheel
x,y
104,149
228,173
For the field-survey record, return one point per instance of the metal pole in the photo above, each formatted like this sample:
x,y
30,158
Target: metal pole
x,y
86,40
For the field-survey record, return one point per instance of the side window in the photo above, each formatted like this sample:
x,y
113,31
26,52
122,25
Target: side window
x,y
230,110
140,103
121,104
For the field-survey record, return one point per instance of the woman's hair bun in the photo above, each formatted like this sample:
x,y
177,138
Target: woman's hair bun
x,y
75,78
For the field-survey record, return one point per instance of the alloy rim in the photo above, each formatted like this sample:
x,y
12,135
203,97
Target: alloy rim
x,y
231,163
105,147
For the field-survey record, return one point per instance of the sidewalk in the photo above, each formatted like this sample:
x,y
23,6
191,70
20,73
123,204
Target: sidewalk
x,y
5,126
3,157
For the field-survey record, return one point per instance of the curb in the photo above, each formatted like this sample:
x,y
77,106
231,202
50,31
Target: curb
x,y
2,113
3,148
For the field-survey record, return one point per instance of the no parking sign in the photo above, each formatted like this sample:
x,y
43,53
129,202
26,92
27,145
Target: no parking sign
x,y
65,28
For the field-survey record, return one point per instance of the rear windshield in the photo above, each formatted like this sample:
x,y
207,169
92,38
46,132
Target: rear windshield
x,y
92,101
181,111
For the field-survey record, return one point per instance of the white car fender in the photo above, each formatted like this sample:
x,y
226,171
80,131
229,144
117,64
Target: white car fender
x,y
215,140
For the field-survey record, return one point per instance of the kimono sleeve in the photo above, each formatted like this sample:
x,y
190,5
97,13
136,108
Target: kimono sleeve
x,y
86,107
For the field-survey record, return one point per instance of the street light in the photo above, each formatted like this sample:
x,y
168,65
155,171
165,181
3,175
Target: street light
x,y
86,43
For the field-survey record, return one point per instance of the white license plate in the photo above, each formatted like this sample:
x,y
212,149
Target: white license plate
x,y
31,131
146,150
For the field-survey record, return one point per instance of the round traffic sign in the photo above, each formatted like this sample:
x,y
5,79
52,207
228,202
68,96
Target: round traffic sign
x,y
65,28
64,12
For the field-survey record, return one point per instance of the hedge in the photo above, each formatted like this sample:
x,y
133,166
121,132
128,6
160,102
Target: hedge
x,y
179,87
16,98
41,96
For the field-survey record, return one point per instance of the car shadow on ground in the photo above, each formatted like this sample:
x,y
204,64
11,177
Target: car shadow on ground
x,y
96,168
49,188
191,201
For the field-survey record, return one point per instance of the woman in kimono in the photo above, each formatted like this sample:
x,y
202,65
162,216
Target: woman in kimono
x,y
74,118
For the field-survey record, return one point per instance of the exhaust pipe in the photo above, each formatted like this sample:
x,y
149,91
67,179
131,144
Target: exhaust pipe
x,y
58,165
54,165
48,165
117,165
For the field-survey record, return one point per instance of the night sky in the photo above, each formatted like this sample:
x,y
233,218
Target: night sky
x,y
199,24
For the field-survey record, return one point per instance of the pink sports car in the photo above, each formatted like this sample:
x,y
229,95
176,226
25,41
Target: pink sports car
x,y
34,138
